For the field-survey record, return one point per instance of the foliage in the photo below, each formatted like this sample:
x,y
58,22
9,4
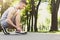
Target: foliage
x,y
29,8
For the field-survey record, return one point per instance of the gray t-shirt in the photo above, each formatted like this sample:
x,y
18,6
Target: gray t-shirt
x,y
5,14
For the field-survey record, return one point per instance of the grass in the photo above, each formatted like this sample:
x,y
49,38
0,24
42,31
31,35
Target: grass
x,y
43,31
53,32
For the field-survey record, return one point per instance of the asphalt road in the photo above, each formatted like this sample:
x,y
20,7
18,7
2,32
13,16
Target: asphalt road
x,y
30,36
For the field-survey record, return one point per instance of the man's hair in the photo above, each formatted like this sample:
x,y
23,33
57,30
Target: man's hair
x,y
24,1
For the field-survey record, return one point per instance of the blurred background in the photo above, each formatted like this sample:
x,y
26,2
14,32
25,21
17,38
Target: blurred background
x,y
38,16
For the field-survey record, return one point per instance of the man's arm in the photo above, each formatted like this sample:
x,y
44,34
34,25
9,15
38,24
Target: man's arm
x,y
18,19
9,17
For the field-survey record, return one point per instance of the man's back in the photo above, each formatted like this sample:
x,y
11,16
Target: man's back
x,y
5,14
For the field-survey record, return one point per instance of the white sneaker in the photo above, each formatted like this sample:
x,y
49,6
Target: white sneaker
x,y
21,32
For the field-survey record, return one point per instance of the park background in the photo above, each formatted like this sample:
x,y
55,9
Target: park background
x,y
38,16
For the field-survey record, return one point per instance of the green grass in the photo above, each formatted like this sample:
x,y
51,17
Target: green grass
x,y
55,32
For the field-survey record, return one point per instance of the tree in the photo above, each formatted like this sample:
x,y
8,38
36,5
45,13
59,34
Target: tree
x,y
34,14
54,11
1,2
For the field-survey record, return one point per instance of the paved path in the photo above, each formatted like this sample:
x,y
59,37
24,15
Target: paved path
x,y
30,36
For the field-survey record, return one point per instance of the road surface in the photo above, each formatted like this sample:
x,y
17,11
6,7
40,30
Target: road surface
x,y
30,36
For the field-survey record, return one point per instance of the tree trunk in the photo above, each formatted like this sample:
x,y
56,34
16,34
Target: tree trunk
x,y
32,12
36,16
28,21
31,21
54,11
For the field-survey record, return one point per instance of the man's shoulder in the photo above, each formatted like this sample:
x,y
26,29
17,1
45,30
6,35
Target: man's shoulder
x,y
8,9
11,9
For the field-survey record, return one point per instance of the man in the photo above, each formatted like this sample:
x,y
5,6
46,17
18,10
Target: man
x,y
11,17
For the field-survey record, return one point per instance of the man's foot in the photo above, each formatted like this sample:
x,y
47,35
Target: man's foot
x,y
21,32
5,31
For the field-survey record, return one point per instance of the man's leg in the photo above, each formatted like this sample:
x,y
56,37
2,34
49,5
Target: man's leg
x,y
19,26
4,26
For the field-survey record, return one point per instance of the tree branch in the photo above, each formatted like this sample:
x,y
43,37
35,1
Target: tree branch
x,y
38,5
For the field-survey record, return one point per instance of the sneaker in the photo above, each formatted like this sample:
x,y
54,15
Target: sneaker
x,y
21,32
5,31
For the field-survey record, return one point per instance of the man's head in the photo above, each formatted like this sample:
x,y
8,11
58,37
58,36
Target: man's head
x,y
22,4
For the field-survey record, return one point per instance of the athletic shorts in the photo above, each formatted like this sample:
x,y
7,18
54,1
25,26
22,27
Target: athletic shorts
x,y
4,23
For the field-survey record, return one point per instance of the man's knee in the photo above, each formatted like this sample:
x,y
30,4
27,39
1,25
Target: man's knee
x,y
20,24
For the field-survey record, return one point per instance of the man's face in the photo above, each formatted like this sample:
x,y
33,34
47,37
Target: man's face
x,y
22,6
